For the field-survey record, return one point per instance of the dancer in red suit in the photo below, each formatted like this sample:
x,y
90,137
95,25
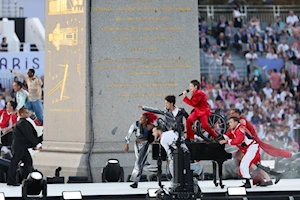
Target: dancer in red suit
x,y
201,109
239,136
269,149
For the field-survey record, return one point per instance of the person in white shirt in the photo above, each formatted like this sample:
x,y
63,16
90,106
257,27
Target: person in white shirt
x,y
255,99
168,141
268,90
271,53
291,19
250,56
240,103
282,47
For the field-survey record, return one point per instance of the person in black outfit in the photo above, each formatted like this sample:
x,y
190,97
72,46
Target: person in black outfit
x,y
25,136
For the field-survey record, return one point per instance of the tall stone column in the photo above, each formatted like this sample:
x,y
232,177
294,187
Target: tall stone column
x,y
66,92
102,59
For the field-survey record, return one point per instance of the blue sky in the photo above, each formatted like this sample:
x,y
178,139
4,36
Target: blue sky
x,y
33,8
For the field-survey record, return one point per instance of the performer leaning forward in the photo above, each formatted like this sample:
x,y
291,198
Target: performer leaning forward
x,y
143,132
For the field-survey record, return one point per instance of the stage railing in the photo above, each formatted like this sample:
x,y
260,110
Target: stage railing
x,y
265,13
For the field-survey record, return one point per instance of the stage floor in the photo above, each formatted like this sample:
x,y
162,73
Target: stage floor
x,y
122,189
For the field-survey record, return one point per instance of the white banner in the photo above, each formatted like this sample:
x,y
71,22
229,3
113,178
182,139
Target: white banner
x,y
20,62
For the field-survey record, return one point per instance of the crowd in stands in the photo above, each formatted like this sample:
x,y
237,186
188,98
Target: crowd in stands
x,y
271,104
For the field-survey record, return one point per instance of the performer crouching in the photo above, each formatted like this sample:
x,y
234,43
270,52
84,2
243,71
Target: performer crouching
x,y
241,137
143,132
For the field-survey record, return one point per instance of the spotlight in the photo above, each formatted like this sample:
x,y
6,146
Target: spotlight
x,y
2,197
113,172
34,187
152,192
236,191
71,195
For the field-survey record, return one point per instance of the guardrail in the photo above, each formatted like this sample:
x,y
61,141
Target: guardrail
x,y
11,10
265,13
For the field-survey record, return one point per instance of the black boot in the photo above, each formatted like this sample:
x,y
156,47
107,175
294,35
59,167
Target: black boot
x,y
266,183
278,177
247,184
134,185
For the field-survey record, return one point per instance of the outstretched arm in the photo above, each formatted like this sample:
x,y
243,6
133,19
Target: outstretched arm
x,y
152,110
18,74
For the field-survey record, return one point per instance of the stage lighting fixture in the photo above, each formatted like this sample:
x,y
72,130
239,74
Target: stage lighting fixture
x,y
35,186
2,197
113,172
152,192
236,191
71,195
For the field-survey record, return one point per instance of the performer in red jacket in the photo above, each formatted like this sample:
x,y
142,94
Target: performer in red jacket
x,y
201,109
241,137
269,149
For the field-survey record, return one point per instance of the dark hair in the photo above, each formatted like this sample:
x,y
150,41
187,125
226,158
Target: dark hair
x,y
196,83
19,83
161,127
32,71
236,110
171,99
13,104
236,119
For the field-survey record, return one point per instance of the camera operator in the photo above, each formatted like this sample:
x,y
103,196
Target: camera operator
x,y
168,141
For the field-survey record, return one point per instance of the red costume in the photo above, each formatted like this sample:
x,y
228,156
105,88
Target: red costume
x,y
202,110
242,138
269,149
7,120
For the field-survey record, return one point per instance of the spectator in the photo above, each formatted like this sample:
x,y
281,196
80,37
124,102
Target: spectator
x,y
229,31
275,80
203,82
222,42
4,45
251,45
255,23
271,54
209,57
237,15
250,56
233,73
295,82
268,90
222,81
217,59
203,28
238,44
291,19
279,26
215,48
246,36
227,59
221,26
204,43
260,46
282,47
295,29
